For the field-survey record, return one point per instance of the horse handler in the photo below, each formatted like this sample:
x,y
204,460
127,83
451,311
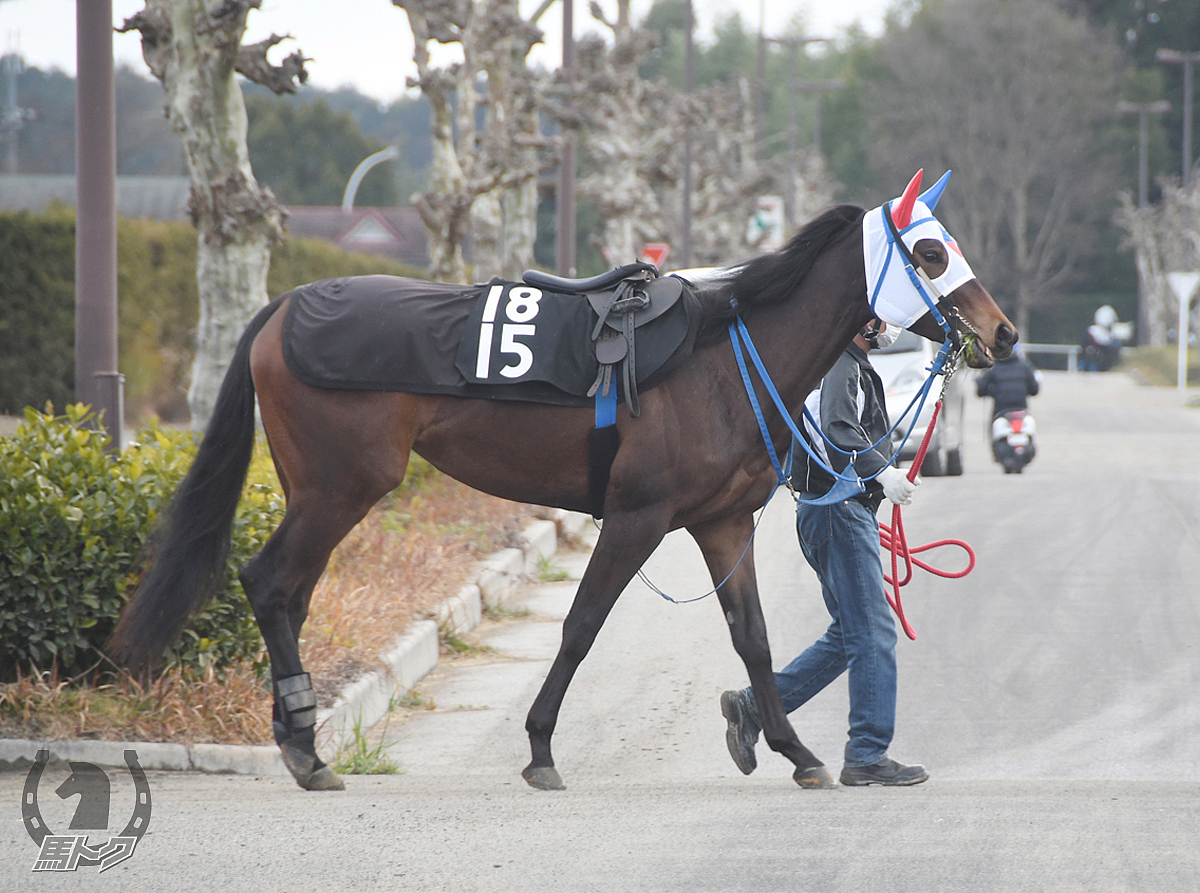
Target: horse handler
x,y
841,542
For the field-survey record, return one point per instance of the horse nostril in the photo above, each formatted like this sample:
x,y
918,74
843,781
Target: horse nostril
x,y
1006,337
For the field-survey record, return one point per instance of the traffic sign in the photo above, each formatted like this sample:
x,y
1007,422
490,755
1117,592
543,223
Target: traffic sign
x,y
656,253
1184,285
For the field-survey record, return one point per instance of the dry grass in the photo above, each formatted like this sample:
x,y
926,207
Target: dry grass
x,y
180,706
1160,365
408,554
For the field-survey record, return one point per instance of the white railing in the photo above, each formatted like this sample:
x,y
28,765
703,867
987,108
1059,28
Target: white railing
x,y
1071,351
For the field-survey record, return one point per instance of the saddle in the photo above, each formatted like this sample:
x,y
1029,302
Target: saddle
x,y
624,299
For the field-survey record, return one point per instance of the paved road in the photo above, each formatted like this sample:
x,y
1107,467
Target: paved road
x,y
1053,695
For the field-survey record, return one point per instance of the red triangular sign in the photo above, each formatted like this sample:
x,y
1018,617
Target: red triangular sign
x,y
656,253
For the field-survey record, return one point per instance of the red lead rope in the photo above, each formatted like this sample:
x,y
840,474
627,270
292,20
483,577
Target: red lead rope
x,y
893,539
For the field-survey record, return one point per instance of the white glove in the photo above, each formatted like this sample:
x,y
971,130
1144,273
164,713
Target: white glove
x,y
896,485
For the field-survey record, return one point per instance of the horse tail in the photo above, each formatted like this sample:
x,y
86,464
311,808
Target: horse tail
x,y
189,550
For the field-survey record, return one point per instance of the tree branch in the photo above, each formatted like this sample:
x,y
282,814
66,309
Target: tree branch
x,y
253,65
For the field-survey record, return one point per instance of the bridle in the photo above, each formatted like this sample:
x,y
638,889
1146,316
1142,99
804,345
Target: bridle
x,y
920,279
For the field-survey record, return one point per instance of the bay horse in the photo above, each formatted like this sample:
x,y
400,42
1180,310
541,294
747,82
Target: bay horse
x,y
694,458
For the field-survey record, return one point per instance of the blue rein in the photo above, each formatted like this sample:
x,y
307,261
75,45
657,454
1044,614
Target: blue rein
x,y
846,484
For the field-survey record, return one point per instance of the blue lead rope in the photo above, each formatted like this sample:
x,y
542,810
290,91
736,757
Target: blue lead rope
x,y
847,483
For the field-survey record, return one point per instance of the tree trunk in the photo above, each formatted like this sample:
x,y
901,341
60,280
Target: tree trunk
x,y
520,228
1019,222
487,236
194,50
1165,238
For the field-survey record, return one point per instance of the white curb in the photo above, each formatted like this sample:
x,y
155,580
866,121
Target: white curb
x,y
362,703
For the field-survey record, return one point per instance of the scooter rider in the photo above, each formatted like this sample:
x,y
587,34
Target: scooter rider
x,y
1009,383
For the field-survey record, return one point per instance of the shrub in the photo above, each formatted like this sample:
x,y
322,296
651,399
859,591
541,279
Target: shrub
x,y
76,521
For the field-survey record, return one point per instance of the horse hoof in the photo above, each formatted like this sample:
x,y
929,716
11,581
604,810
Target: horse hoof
x,y
813,778
324,779
308,770
544,778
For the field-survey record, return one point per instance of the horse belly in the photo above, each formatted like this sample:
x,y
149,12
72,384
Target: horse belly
x,y
523,452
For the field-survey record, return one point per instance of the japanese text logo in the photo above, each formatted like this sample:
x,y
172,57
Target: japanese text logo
x,y
72,850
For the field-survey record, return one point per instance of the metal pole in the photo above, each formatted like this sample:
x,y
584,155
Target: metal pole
x,y
818,88
1187,121
97,381
1143,166
760,71
689,82
13,116
1186,60
1182,338
1143,110
565,254
793,162
1184,285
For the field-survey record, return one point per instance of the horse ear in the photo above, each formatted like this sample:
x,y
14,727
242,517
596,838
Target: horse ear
x,y
931,195
902,208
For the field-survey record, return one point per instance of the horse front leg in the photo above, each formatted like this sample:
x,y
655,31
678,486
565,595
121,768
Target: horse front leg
x,y
624,544
723,544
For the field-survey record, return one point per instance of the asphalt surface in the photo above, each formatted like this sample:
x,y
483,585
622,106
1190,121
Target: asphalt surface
x,y
1054,695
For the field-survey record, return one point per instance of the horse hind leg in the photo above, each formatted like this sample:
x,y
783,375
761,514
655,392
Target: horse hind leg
x,y
278,582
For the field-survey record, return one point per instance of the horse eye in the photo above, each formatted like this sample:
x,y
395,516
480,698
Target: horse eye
x,y
932,256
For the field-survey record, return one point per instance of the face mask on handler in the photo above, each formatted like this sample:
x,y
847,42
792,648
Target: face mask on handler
x,y
880,339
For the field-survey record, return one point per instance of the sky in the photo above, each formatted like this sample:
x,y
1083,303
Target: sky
x,y
367,44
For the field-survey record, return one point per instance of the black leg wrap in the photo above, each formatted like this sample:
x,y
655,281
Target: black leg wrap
x,y
294,724
602,450
296,703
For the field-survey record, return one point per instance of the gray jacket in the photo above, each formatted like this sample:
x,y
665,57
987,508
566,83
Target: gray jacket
x,y
849,407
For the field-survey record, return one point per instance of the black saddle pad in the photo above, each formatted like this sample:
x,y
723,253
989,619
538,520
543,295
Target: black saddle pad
x,y
500,341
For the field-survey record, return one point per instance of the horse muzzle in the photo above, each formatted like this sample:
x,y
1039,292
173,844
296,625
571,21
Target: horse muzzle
x,y
979,355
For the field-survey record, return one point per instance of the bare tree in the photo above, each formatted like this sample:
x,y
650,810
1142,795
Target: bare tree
x,y
1017,98
484,144
727,177
627,131
194,47
632,131
1165,238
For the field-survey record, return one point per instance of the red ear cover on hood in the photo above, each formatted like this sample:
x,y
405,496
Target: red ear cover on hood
x,y
902,208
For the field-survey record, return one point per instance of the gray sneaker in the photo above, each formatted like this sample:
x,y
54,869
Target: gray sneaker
x,y
742,733
886,772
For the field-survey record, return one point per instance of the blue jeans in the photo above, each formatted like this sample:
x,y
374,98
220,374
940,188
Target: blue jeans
x,y
841,542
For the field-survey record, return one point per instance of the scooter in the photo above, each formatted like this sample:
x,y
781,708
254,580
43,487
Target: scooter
x,y
1012,440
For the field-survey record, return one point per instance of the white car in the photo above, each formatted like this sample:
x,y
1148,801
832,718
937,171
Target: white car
x,y
903,368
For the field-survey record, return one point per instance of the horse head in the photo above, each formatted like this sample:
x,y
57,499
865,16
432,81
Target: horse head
x,y
918,278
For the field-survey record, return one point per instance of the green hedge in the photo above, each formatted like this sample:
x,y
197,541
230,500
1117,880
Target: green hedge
x,y
37,309
159,306
75,521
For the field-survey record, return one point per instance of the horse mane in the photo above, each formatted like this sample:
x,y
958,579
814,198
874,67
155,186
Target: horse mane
x,y
771,278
